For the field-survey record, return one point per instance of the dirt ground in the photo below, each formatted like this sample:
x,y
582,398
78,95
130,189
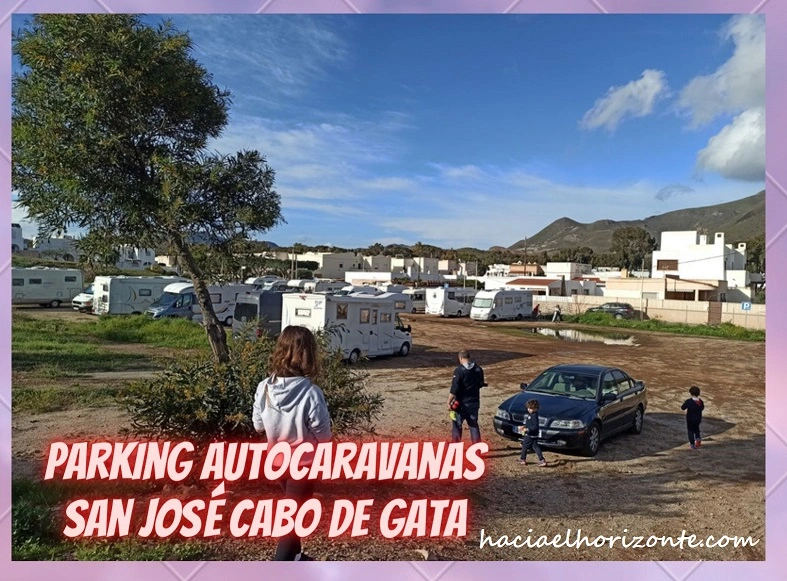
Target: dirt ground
x,y
647,484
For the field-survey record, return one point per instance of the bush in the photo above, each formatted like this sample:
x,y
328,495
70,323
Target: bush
x,y
202,399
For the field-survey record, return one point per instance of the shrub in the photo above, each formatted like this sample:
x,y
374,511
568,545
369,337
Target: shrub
x,y
200,398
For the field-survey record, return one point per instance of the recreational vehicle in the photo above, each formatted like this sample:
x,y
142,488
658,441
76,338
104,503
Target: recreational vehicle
x,y
179,300
355,289
260,281
262,309
449,302
47,287
402,302
502,304
324,286
418,297
128,295
359,325
83,302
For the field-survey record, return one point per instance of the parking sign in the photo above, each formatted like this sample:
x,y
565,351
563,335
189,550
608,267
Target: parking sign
x,y
746,306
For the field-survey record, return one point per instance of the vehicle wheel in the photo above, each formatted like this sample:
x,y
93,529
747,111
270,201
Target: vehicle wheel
x,y
458,313
493,318
404,349
618,316
54,304
228,321
519,317
593,440
135,313
354,357
413,311
639,417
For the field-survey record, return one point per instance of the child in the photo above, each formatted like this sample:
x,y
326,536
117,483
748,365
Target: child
x,y
693,407
530,431
290,407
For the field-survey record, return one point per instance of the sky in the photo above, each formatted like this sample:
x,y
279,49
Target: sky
x,y
479,130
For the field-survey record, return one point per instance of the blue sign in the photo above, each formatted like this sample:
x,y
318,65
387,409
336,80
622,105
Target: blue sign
x,y
746,306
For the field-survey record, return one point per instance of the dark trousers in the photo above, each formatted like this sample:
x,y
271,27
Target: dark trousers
x,y
527,444
469,415
300,491
694,431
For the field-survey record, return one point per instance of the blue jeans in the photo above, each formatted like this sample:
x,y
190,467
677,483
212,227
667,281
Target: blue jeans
x,y
469,415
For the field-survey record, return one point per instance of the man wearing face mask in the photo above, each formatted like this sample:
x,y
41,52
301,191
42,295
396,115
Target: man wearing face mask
x,y
464,400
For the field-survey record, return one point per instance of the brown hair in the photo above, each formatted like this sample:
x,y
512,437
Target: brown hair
x,y
464,354
694,390
295,354
532,404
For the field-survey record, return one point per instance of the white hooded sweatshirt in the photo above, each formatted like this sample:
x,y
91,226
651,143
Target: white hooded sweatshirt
x,y
293,410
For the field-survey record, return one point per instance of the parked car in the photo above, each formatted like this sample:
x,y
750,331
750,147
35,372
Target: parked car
x,y
579,406
617,310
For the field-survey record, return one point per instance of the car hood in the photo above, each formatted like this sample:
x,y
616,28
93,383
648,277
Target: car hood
x,y
550,406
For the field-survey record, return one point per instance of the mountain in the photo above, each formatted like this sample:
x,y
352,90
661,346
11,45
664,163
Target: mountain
x,y
739,220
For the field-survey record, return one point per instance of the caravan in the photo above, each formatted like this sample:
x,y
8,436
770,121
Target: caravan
x,y
324,286
349,289
449,302
502,304
128,295
357,325
262,308
179,300
418,297
47,287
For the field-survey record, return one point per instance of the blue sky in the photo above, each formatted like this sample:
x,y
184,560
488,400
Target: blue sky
x,y
477,130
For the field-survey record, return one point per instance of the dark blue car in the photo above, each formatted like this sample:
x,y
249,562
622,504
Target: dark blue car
x,y
579,406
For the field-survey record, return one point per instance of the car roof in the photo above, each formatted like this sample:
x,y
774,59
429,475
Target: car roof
x,y
581,368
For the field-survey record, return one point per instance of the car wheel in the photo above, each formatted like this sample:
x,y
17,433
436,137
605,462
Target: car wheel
x,y
354,357
404,349
54,304
618,316
593,439
519,317
493,318
639,417
228,321
413,311
458,313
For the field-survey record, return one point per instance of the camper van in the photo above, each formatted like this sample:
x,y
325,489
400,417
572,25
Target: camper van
x,y
179,300
260,281
449,302
262,307
402,302
324,286
357,325
418,297
47,287
128,295
502,304
356,289
83,302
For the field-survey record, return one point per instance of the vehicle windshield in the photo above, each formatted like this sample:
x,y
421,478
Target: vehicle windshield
x,y
165,300
567,384
88,290
482,303
245,312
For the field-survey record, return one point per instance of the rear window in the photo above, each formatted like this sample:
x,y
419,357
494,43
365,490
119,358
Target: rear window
x,y
245,312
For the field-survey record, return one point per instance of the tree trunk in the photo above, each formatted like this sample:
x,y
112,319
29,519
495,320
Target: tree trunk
x,y
214,329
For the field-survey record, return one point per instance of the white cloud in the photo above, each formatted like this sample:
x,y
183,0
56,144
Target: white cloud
x,y
736,85
738,151
634,99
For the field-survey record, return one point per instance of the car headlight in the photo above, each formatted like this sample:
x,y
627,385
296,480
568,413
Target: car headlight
x,y
502,414
568,424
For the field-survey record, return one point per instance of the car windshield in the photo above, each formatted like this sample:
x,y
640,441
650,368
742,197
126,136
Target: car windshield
x,y
165,300
482,303
565,383
88,290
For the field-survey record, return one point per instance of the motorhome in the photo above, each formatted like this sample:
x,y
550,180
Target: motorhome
x,y
391,288
355,289
261,281
47,287
358,325
418,297
83,302
128,295
259,311
324,286
449,302
179,300
402,302
502,304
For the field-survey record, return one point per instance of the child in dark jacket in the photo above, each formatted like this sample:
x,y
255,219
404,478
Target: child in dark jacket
x,y
530,433
693,407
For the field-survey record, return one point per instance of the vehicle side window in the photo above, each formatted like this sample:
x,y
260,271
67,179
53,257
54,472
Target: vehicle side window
x,y
517,299
145,292
18,282
623,383
341,311
34,281
364,317
509,300
71,279
609,385
451,296
215,298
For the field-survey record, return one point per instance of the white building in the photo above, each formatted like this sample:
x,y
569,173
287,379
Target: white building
x,y
17,239
62,248
689,256
133,258
546,286
498,270
379,263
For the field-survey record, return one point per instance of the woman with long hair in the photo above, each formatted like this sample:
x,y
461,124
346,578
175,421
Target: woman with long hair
x,y
290,407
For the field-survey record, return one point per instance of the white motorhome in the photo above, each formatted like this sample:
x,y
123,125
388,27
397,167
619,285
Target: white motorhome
x,y
449,302
502,304
179,300
355,289
418,297
47,287
260,281
324,286
402,302
359,325
128,295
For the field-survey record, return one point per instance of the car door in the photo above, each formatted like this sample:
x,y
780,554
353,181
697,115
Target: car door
x,y
628,396
612,408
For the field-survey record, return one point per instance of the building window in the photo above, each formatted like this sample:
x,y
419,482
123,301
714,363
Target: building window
x,y
666,265
341,311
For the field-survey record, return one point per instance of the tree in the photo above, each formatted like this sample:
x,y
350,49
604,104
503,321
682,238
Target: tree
x,y
755,254
111,119
375,249
632,245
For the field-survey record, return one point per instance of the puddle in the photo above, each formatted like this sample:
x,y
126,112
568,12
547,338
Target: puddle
x,y
587,336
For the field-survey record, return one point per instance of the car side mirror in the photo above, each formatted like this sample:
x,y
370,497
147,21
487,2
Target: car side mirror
x,y
409,328
608,397
523,386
